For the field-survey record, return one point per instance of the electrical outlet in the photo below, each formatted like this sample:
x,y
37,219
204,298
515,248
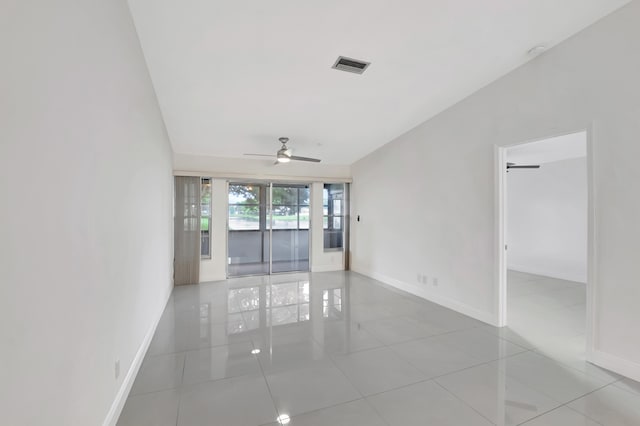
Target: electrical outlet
x,y
419,278
117,368
435,281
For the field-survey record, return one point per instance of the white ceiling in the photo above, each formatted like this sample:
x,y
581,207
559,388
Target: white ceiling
x,y
232,76
558,148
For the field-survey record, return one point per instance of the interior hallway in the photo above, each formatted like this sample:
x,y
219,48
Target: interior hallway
x,y
340,348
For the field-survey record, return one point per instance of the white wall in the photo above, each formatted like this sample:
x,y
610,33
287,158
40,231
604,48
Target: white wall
x,y
547,219
427,201
85,218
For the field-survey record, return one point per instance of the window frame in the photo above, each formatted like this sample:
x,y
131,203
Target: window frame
x,y
330,216
296,205
258,205
204,181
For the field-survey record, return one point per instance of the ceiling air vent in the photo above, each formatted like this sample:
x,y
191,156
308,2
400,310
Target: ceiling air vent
x,y
350,65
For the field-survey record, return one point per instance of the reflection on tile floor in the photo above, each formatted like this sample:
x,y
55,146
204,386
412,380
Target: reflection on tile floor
x,y
342,349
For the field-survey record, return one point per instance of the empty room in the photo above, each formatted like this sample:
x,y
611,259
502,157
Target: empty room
x,y
306,213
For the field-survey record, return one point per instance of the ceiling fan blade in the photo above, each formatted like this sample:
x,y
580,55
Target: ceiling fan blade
x,y
260,155
313,160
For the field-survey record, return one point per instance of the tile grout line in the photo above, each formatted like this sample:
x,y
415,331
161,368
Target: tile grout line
x,y
583,414
570,368
629,391
566,404
334,364
183,385
373,407
544,392
180,391
538,350
433,378
266,382
388,345
184,351
362,397
462,401
179,404
317,410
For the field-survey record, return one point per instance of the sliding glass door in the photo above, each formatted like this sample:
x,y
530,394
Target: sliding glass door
x,y
290,223
268,228
248,236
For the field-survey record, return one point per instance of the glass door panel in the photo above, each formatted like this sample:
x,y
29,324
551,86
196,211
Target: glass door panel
x,y
248,238
290,234
265,218
333,219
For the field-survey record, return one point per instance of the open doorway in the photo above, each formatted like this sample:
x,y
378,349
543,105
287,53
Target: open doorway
x,y
545,233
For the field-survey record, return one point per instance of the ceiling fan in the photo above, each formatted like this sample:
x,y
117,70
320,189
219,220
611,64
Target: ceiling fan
x,y
524,166
283,155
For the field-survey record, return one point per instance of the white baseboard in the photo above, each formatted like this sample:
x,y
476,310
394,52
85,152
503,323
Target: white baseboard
x,y
211,278
486,317
326,268
616,364
549,273
127,383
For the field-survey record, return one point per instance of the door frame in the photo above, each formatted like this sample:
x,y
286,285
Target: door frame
x,y
500,152
268,184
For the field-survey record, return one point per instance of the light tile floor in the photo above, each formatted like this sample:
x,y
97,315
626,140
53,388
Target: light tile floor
x,y
341,349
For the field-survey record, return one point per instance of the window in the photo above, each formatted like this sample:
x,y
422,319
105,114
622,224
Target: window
x,y
333,219
205,218
244,207
290,206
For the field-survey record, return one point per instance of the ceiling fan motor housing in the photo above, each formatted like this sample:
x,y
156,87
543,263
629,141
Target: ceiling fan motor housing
x,y
283,155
